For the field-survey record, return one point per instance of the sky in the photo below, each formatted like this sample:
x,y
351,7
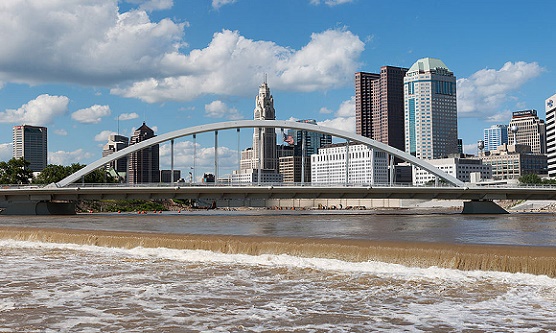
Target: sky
x,y
90,68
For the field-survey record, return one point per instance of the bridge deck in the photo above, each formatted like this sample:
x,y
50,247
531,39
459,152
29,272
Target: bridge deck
x,y
274,192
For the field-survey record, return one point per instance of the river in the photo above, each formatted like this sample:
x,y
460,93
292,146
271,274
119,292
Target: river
x,y
259,271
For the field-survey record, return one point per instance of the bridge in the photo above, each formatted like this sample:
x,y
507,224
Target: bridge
x,y
67,190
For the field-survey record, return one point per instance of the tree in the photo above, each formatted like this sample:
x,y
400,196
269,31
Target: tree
x,y
15,171
51,174
530,179
54,173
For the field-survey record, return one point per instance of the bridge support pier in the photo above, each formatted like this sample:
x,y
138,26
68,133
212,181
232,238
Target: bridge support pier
x,y
482,207
37,208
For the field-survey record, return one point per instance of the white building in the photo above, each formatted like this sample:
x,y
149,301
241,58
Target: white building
x,y
365,165
431,125
263,155
550,107
461,168
526,128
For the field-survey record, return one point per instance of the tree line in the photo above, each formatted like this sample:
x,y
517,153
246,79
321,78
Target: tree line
x,y
16,171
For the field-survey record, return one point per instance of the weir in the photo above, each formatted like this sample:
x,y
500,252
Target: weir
x,y
513,259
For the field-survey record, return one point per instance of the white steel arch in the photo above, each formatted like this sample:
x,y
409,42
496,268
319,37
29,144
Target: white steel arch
x,y
256,124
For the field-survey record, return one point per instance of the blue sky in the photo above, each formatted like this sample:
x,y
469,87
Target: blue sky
x,y
76,66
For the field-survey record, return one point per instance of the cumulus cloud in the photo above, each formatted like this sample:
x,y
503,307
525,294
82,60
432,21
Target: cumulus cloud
x,y
219,109
61,132
219,3
93,42
104,135
330,3
89,41
151,5
233,65
344,117
345,124
204,158
6,152
39,111
483,93
61,157
91,115
128,116
470,149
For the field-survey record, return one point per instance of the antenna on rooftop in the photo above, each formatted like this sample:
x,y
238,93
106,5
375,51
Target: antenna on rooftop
x,y
265,78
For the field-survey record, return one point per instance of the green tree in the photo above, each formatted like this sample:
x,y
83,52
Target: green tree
x,y
54,173
15,171
51,174
530,179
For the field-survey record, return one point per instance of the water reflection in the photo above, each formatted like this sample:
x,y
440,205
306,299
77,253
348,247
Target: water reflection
x,y
514,229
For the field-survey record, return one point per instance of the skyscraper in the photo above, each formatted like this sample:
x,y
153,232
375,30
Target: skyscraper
x,y
264,142
527,129
143,165
431,125
30,142
294,168
495,136
365,92
379,105
116,143
263,155
550,107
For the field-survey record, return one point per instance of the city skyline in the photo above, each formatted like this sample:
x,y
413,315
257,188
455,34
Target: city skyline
x,y
178,64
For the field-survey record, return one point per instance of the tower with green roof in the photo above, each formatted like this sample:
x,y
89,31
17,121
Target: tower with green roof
x,y
430,110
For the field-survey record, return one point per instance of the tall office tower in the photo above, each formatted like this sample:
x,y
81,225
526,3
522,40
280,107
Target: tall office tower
x,y
550,107
307,141
264,145
431,122
365,92
143,166
495,136
527,129
294,168
30,142
116,143
379,105
264,142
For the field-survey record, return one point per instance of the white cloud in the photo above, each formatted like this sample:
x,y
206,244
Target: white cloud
x,y
219,3
233,65
6,152
39,111
330,3
470,149
203,161
61,132
128,116
345,124
347,108
103,136
484,92
219,109
89,42
345,117
68,157
151,5
91,115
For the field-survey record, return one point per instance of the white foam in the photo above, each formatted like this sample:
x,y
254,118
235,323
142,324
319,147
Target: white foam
x,y
89,288
284,260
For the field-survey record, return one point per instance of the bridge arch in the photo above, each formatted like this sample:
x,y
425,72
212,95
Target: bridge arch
x,y
256,124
